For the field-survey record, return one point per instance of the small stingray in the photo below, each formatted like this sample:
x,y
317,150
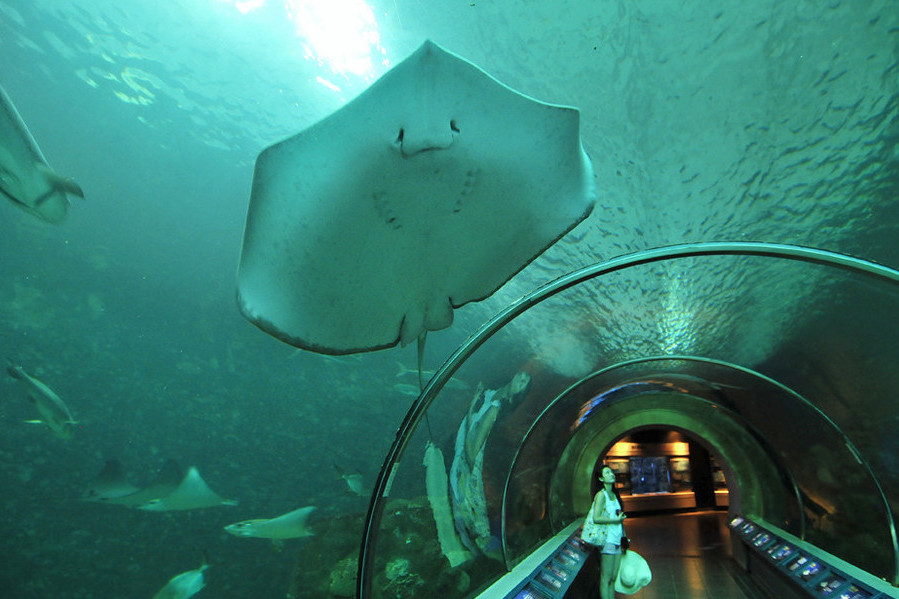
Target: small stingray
x,y
291,525
429,190
112,486
25,177
192,493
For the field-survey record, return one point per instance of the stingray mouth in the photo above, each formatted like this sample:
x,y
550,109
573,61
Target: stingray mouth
x,y
414,141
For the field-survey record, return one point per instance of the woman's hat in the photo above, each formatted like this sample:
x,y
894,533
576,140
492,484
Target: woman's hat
x,y
633,574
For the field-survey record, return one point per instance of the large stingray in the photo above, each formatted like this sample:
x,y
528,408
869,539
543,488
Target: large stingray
x,y
429,190
25,177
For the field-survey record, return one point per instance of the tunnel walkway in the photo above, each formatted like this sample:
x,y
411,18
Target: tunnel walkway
x,y
690,557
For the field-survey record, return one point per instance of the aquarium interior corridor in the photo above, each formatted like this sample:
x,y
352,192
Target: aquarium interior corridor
x,y
735,286
790,456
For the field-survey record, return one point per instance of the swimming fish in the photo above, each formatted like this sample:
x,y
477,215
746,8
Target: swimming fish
x,y
404,370
54,412
291,525
25,177
426,375
354,482
192,493
407,389
184,585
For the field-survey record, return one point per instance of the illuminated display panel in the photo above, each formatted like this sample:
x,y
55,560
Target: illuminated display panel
x,y
558,572
530,592
566,561
853,592
810,570
570,553
781,551
824,582
797,565
829,584
549,581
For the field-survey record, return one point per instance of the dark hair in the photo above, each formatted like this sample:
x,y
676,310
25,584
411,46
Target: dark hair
x,y
614,488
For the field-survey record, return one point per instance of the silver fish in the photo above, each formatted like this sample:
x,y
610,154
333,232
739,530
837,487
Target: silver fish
x,y
354,482
25,177
54,412
407,389
184,585
291,525
426,375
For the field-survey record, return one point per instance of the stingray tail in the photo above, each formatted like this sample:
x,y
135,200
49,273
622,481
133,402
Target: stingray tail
x,y
421,379
422,339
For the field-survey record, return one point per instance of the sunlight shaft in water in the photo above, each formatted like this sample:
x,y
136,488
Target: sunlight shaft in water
x,y
676,323
340,34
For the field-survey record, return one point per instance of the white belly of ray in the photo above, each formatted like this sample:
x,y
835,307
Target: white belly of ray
x,y
191,494
428,191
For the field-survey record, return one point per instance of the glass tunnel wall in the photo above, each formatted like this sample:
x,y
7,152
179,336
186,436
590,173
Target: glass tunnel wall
x,y
771,440
785,347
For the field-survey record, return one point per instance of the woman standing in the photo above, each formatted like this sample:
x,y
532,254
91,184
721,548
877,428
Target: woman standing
x,y
603,528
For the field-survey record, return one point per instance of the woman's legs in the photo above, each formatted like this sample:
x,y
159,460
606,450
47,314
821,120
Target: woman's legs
x,y
609,571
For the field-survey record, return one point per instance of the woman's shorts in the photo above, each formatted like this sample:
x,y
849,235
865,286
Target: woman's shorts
x,y
611,549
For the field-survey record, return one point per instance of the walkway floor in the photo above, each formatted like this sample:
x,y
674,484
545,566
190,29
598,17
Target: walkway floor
x,y
690,557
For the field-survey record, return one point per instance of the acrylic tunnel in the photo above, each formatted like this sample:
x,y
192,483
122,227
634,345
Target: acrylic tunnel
x,y
777,361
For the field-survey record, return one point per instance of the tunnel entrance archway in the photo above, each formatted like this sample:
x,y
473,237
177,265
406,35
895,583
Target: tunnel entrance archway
x,y
584,422
766,434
